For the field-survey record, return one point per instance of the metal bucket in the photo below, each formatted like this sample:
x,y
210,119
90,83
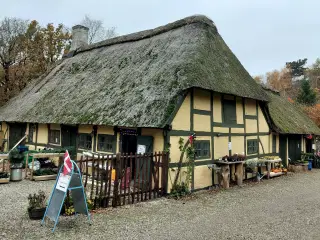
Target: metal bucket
x,y
16,174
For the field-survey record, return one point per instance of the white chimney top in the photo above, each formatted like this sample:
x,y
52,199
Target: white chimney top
x,y
79,37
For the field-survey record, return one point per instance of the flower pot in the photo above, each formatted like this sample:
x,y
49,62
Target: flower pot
x,y
36,213
16,174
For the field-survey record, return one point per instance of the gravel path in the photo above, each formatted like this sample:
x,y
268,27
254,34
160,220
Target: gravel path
x,y
283,208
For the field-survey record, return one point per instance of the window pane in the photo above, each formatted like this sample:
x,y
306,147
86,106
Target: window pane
x,y
202,149
106,143
229,111
85,141
252,146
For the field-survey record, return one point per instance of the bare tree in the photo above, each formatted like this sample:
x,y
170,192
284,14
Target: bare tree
x,y
97,31
11,34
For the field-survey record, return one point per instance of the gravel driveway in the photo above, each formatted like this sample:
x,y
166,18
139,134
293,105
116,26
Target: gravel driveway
x,y
283,208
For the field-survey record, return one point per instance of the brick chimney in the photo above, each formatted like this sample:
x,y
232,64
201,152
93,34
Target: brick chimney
x,y
79,37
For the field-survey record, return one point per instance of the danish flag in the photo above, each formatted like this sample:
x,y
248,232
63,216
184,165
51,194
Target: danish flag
x,y
67,163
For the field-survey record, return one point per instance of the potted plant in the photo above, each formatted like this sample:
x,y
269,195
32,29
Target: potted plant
x,y
4,177
16,160
37,205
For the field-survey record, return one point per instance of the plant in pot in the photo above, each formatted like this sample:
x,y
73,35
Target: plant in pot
x,y
16,160
37,205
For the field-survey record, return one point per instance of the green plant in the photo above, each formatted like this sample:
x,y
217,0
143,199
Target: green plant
x,y
69,207
42,172
179,190
16,157
180,187
37,201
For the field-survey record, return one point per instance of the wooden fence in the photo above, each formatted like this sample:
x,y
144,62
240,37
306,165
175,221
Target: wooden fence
x,y
115,180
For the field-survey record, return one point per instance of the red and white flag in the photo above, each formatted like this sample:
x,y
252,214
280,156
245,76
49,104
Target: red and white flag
x,y
67,163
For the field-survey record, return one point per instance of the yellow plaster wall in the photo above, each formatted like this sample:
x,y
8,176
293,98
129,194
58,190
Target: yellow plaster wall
x,y
43,133
201,123
217,108
174,149
239,109
172,174
85,128
237,130
263,125
250,107
265,143
202,177
201,99
105,130
251,126
182,119
221,129
237,144
220,146
158,139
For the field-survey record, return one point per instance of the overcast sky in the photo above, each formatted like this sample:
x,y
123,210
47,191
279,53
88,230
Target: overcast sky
x,y
263,34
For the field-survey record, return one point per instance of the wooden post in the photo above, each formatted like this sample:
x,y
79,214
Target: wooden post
x,y
32,166
268,169
116,199
225,172
26,168
239,173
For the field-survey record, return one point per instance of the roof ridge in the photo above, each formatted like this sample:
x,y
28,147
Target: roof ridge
x,y
150,32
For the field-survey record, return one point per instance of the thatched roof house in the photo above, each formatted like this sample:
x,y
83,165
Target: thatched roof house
x,y
134,80
289,118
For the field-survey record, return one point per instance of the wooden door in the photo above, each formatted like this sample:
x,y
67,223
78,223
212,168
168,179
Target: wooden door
x,y
294,147
283,149
16,132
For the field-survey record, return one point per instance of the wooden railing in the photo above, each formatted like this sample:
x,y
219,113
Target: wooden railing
x,y
115,180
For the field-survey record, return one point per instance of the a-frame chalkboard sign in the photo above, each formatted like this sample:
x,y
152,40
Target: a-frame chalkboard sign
x,y
71,182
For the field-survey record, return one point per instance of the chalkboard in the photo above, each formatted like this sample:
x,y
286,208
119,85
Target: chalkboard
x,y
64,183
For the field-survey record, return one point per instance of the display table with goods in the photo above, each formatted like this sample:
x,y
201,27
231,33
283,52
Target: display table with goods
x,y
41,166
4,168
231,164
273,165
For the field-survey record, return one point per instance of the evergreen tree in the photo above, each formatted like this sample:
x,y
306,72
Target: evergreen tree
x,y
306,95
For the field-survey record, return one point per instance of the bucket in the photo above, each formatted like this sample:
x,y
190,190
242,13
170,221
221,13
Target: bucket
x,y
16,174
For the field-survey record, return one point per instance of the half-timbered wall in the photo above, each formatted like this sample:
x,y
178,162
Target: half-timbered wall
x,y
202,112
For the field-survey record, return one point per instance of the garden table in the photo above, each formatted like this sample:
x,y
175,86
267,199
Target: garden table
x,y
270,164
225,171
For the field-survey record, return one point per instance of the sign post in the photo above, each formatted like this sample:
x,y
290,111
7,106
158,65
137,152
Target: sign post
x,y
72,181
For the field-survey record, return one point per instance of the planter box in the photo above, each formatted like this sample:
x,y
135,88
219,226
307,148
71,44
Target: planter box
x,y
45,177
36,214
4,180
298,168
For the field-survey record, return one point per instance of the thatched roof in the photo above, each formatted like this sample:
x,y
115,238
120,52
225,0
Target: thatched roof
x,y
134,80
289,118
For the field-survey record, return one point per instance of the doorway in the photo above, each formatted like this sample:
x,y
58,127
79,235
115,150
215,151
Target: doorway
x,y
309,145
283,149
294,147
16,132
69,138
